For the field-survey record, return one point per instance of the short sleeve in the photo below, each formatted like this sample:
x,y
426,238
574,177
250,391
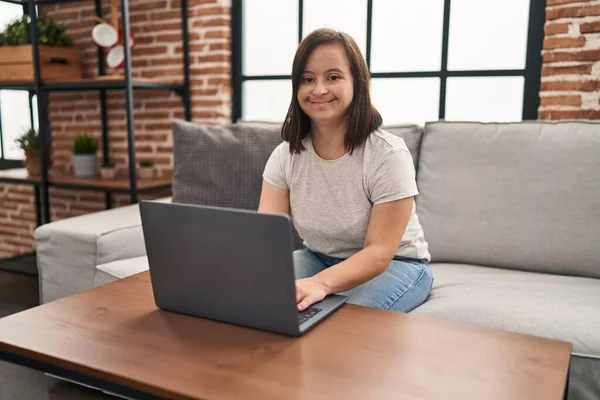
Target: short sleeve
x,y
394,179
275,170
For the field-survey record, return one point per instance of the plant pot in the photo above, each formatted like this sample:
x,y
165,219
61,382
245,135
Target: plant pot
x,y
84,165
108,172
146,172
32,162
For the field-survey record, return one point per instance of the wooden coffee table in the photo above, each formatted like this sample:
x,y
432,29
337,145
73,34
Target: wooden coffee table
x,y
114,338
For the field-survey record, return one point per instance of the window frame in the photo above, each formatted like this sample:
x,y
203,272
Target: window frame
x,y
531,73
9,163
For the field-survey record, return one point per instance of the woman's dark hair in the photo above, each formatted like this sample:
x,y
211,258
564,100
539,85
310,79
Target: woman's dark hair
x,y
362,117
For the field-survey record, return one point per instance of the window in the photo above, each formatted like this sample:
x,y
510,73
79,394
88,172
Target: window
x,y
346,16
429,60
16,111
8,13
15,118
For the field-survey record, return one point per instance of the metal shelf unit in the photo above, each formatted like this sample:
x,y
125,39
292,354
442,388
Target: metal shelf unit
x,y
128,184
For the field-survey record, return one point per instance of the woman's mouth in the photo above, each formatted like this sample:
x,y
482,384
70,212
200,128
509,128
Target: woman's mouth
x,y
320,102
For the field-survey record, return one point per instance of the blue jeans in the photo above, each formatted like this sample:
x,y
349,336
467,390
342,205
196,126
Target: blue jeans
x,y
403,286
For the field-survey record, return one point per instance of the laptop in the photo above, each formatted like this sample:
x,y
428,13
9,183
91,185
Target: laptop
x,y
228,265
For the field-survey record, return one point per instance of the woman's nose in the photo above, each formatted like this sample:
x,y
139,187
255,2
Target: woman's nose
x,y
319,88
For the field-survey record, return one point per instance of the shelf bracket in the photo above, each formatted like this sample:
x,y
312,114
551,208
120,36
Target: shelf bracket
x,y
180,91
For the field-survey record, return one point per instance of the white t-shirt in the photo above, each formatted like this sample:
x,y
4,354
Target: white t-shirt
x,y
331,200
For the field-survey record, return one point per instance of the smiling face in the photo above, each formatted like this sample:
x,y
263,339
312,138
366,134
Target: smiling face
x,y
330,86
326,86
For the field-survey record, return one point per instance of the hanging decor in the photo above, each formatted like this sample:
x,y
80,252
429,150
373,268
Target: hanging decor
x,y
110,36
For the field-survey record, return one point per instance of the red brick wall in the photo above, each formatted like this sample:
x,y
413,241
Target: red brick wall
x,y
570,86
17,219
156,25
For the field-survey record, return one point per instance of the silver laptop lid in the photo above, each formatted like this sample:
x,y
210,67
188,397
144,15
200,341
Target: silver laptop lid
x,y
225,264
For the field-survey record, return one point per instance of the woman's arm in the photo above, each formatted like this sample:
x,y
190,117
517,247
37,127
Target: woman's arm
x,y
274,199
387,224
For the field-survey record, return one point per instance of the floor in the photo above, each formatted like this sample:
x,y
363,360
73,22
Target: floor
x,y
18,292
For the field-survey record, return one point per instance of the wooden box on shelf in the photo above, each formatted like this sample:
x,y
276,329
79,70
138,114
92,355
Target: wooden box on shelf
x,y
56,63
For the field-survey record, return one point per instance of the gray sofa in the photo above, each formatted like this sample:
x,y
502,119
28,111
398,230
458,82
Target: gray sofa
x,y
511,212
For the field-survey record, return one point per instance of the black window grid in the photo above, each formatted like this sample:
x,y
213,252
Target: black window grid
x,y
531,73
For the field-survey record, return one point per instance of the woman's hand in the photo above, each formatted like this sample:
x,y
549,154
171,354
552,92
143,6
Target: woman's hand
x,y
309,291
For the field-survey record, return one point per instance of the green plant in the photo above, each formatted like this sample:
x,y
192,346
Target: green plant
x,y
29,139
50,33
147,163
108,165
85,144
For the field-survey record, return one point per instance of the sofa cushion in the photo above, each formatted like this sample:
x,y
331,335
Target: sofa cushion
x,y
551,306
119,269
512,195
221,166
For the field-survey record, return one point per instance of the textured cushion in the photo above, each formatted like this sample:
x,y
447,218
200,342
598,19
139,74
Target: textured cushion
x,y
221,166
583,378
551,306
119,269
512,195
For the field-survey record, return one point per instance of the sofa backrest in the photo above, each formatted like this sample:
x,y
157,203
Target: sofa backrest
x,y
512,195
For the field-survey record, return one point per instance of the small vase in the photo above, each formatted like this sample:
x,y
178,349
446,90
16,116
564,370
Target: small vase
x,y
32,162
146,172
108,172
84,165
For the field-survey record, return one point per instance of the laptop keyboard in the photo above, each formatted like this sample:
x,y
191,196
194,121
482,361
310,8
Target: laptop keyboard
x,y
307,314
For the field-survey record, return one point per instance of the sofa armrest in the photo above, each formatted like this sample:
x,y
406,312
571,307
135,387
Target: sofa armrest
x,y
69,250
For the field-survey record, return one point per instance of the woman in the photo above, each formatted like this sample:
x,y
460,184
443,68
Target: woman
x,y
348,185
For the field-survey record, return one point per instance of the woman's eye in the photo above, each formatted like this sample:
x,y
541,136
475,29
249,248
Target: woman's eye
x,y
334,77
306,80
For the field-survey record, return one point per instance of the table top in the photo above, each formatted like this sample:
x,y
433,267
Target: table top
x,y
116,333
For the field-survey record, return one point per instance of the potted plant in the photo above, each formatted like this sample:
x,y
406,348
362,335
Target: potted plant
x,y
84,158
108,170
146,169
58,58
29,142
